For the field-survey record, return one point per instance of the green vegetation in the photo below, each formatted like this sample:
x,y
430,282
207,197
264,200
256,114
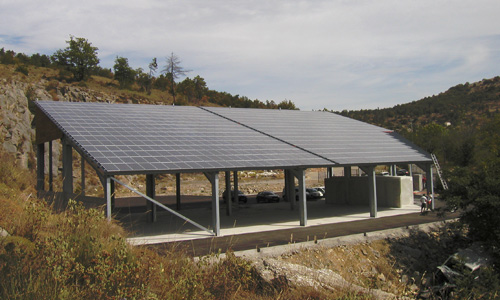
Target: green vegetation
x,y
462,127
80,58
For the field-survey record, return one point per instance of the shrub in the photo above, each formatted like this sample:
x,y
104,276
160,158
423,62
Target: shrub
x,y
22,69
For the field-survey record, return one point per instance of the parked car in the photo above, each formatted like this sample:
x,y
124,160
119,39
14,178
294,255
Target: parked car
x,y
385,173
313,194
267,196
242,198
403,172
322,190
309,195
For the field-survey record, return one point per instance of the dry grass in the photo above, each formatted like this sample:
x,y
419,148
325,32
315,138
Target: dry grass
x,y
78,254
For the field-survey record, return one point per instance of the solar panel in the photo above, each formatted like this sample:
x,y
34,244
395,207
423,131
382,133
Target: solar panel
x,y
340,139
133,138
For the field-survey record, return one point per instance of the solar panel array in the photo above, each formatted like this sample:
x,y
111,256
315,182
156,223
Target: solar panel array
x,y
132,138
334,137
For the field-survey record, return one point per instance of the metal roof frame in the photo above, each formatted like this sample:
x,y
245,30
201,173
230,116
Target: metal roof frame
x,y
53,123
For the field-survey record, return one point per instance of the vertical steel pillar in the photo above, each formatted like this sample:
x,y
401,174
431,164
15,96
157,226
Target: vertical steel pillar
x,y
67,157
40,168
430,183
372,190
301,176
236,196
347,178
107,195
151,193
178,190
227,196
290,188
213,177
82,169
51,176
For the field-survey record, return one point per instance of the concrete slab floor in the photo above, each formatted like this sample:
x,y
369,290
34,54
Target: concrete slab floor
x,y
246,218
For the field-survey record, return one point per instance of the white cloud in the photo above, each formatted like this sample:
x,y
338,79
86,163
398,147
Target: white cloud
x,y
333,54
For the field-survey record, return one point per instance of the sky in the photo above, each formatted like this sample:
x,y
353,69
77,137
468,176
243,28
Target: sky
x,y
334,54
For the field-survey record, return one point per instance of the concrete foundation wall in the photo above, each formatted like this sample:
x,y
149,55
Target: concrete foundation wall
x,y
392,191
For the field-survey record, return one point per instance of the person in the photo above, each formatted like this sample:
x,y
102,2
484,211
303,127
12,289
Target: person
x,y
423,202
429,201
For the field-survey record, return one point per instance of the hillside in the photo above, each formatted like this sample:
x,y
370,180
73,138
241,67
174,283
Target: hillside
x,y
468,104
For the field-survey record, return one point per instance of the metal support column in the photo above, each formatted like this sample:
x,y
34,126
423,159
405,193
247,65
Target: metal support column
x,y
372,190
107,195
236,196
213,177
82,169
40,168
301,176
113,194
347,171
67,157
178,190
290,188
227,196
51,174
347,175
151,193
430,183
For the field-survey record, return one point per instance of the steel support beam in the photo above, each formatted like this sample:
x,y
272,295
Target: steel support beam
x,y
301,177
213,177
236,196
372,189
163,206
107,195
347,175
82,170
290,188
67,157
51,173
430,183
227,196
40,168
178,190
151,193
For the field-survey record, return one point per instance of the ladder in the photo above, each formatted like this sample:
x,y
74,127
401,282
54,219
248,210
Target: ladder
x,y
439,171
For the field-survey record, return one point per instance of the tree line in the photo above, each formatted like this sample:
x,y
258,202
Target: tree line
x,y
79,61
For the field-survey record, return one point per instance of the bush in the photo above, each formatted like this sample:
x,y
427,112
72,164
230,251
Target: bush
x,y
22,69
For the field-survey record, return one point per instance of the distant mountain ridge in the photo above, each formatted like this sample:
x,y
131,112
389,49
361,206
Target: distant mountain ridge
x,y
468,104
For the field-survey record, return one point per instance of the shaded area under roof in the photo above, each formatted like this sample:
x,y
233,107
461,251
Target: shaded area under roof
x,y
134,138
331,136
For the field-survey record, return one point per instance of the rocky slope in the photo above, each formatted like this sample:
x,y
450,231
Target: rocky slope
x,y
17,132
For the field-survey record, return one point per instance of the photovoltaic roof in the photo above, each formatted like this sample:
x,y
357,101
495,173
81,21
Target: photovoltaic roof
x,y
133,138
340,139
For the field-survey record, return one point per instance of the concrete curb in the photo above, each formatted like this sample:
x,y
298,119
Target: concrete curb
x,y
276,251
